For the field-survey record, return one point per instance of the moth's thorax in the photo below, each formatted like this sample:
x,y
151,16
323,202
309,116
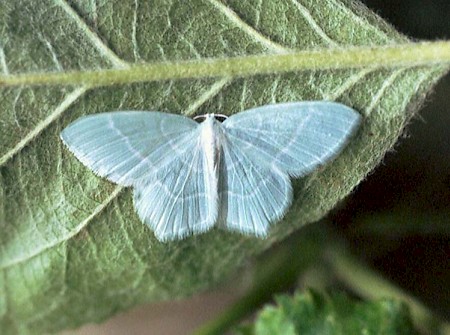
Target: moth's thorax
x,y
210,133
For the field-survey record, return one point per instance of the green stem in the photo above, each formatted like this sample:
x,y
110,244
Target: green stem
x,y
403,55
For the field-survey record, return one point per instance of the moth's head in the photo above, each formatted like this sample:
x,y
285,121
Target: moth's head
x,y
212,116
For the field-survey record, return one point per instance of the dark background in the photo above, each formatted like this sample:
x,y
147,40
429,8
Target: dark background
x,y
398,218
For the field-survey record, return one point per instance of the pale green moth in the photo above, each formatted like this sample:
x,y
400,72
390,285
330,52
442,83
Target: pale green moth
x,y
189,176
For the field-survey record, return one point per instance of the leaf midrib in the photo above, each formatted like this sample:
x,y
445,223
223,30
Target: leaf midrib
x,y
379,57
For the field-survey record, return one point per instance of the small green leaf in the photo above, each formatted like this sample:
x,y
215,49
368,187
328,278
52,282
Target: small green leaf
x,y
312,313
72,249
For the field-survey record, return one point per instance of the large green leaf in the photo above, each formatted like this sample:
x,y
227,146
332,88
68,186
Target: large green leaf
x,y
72,249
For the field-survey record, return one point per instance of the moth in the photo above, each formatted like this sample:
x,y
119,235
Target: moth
x,y
188,176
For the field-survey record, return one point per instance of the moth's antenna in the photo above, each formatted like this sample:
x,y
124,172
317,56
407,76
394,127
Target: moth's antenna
x,y
222,116
198,117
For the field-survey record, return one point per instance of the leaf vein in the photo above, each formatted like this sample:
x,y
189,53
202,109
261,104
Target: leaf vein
x,y
71,233
250,31
386,84
49,47
362,21
190,45
213,91
143,264
258,13
3,63
136,53
93,37
348,84
63,106
313,24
